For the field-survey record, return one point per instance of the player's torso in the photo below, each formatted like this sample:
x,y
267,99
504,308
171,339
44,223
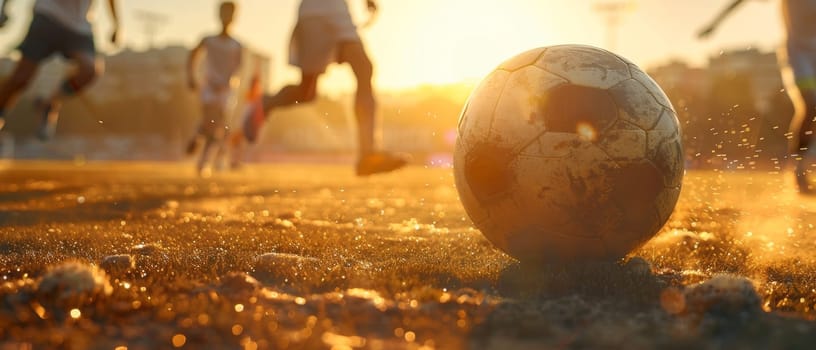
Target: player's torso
x,y
74,14
800,19
223,57
309,8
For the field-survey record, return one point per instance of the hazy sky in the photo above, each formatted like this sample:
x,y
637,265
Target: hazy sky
x,y
439,41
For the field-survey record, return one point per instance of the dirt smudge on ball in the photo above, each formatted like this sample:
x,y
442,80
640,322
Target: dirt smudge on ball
x,y
488,171
568,106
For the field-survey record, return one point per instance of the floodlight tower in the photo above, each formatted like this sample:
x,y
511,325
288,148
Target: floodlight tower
x,y
151,22
612,11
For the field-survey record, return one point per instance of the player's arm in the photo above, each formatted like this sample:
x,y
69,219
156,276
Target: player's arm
x,y
191,63
115,18
708,30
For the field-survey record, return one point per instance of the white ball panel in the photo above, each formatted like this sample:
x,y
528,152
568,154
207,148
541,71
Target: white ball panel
x,y
522,60
518,119
585,65
637,104
478,115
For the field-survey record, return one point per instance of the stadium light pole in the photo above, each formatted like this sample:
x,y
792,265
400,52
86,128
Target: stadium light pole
x,y
612,12
151,21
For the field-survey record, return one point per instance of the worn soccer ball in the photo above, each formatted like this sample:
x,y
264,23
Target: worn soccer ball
x,y
568,154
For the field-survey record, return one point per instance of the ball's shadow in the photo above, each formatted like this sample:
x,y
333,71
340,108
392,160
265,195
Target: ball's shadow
x,y
632,280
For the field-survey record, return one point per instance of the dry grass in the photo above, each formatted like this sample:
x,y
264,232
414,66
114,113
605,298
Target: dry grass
x,y
388,262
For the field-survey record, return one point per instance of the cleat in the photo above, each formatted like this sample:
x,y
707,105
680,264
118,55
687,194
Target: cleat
x,y
379,163
48,120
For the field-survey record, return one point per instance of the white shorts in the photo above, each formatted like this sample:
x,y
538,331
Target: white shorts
x,y
315,41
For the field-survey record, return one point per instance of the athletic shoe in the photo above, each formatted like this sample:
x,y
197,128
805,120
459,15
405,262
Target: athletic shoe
x,y
253,121
48,120
379,163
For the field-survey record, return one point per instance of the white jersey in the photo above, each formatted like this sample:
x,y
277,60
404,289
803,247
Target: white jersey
x,y
73,14
223,58
323,8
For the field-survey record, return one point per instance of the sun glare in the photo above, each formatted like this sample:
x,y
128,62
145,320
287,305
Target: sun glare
x,y
455,40
586,132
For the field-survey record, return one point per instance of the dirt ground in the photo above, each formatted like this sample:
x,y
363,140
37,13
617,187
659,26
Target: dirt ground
x,y
305,256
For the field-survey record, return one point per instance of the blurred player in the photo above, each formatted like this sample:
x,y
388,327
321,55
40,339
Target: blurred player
x,y
325,34
798,60
253,109
223,55
58,26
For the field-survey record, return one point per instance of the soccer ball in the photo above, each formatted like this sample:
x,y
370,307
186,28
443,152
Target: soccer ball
x,y
568,153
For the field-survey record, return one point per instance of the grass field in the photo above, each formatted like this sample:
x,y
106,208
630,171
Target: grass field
x,y
300,256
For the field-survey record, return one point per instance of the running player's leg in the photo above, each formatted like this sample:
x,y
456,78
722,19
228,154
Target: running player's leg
x,y
19,80
371,160
365,105
37,46
221,131
799,71
87,69
222,149
803,121
209,130
305,92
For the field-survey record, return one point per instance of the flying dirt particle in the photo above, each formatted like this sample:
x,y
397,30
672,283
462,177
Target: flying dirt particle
x,y
73,284
723,295
118,265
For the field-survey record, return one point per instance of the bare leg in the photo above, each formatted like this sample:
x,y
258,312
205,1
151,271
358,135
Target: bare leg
x,y
803,122
802,127
365,105
371,160
212,129
18,81
221,152
304,92
205,156
88,68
